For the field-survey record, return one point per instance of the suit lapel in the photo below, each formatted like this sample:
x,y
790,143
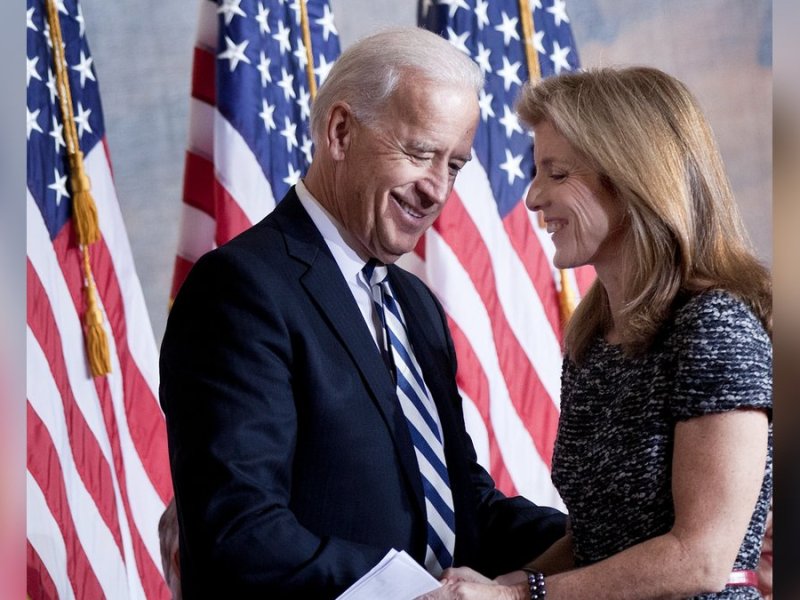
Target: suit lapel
x,y
324,283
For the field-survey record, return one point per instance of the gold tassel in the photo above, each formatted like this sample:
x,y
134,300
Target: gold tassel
x,y
96,343
84,210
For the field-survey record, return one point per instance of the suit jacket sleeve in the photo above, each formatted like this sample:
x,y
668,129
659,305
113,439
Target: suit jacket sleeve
x,y
227,391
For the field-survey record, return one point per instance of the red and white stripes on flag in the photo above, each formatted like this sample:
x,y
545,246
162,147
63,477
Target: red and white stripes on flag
x,y
97,464
249,137
489,261
498,288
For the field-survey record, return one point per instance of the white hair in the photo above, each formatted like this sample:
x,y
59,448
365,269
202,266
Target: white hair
x,y
367,74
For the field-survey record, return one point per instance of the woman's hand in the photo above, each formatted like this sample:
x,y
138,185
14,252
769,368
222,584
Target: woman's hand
x,y
470,590
463,574
463,583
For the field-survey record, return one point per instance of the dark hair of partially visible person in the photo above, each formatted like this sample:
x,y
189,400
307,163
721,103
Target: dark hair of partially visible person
x,y
645,135
168,535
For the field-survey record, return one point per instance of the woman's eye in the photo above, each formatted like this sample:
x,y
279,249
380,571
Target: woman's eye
x,y
558,176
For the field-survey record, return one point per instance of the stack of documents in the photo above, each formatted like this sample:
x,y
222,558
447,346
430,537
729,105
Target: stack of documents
x,y
396,577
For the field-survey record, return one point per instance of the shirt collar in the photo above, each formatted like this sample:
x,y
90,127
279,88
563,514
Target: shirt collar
x,y
350,263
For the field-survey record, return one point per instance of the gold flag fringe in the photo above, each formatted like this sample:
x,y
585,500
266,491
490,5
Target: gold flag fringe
x,y
312,82
566,295
84,210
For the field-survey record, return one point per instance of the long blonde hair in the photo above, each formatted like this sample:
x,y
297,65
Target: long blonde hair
x,y
644,133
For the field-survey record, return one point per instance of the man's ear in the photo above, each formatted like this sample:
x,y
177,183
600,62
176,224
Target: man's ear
x,y
340,130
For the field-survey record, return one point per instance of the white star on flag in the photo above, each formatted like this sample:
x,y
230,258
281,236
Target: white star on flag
x,y
508,28
287,84
538,42
51,86
559,12
261,18
263,68
234,53
57,134
303,101
458,41
454,5
29,17
59,186
306,146
510,121
293,177
31,71
266,115
289,131
282,37
295,6
481,6
485,104
81,22
511,166
82,120
323,68
509,73
33,121
327,23
559,57
84,67
300,54
482,58
230,8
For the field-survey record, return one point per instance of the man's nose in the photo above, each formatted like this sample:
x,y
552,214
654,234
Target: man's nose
x,y
437,184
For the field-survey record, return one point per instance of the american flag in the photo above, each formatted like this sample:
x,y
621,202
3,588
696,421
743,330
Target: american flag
x,y
249,137
487,258
97,468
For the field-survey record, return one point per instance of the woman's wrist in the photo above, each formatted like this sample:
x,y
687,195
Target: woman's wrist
x,y
520,591
536,585
513,578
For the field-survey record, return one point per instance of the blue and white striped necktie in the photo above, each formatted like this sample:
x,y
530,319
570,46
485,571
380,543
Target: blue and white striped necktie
x,y
422,419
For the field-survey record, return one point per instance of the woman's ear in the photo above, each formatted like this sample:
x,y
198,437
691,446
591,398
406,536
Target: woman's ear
x,y
340,130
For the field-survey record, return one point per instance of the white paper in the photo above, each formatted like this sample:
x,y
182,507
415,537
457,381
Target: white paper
x,y
396,577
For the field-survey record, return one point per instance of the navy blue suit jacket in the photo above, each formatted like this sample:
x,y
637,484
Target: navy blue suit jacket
x,y
293,468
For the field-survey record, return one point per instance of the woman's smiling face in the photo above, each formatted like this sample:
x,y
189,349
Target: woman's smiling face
x,y
582,215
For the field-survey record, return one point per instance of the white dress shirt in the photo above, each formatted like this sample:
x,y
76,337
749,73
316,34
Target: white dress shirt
x,y
349,262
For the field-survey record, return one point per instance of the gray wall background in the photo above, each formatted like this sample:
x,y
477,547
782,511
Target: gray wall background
x,y
142,53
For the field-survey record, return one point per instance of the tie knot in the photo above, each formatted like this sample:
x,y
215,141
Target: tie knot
x,y
375,272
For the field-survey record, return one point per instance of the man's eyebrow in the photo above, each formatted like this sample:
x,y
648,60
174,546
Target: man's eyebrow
x,y
427,147
421,146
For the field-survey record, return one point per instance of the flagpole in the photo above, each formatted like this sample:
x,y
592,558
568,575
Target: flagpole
x,y
566,295
312,82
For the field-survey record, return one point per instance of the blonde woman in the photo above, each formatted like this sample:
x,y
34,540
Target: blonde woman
x,y
664,449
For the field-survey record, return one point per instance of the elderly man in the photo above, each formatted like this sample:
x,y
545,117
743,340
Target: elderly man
x,y
309,384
